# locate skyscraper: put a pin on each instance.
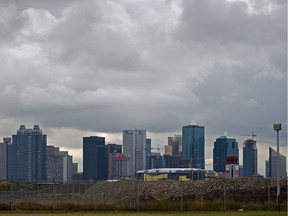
(59, 165)
(3, 158)
(113, 149)
(120, 166)
(134, 146)
(249, 158)
(193, 140)
(148, 146)
(271, 165)
(224, 147)
(95, 158)
(27, 155)
(174, 146)
(155, 161)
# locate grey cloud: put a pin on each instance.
(158, 65)
(221, 22)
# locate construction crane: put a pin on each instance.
(252, 135)
(190, 163)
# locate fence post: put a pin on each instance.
(181, 195)
(54, 195)
(269, 197)
(225, 204)
(138, 197)
(11, 198)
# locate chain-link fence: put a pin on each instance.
(212, 194)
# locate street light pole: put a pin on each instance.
(277, 128)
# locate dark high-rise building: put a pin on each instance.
(114, 148)
(3, 158)
(249, 158)
(224, 147)
(148, 146)
(155, 161)
(172, 161)
(271, 165)
(193, 141)
(27, 155)
(95, 158)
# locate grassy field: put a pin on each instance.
(229, 213)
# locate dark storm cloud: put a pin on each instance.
(105, 66)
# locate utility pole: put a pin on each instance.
(277, 128)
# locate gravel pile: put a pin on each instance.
(241, 189)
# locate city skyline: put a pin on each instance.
(208, 161)
(94, 68)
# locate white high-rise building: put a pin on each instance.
(134, 146)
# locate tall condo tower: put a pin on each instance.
(59, 165)
(95, 158)
(3, 158)
(193, 141)
(224, 147)
(27, 155)
(249, 158)
(134, 146)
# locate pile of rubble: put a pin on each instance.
(241, 189)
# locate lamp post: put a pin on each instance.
(277, 128)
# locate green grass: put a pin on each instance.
(144, 206)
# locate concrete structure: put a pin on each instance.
(271, 165)
(67, 166)
(59, 165)
(3, 158)
(75, 168)
(250, 158)
(175, 144)
(232, 167)
(134, 146)
(112, 150)
(224, 147)
(27, 155)
(119, 166)
(95, 158)
(193, 139)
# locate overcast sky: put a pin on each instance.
(96, 67)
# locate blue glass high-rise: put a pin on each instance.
(250, 158)
(193, 139)
(27, 155)
(95, 158)
(224, 147)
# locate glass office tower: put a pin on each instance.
(95, 158)
(27, 155)
(249, 158)
(223, 148)
(193, 144)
